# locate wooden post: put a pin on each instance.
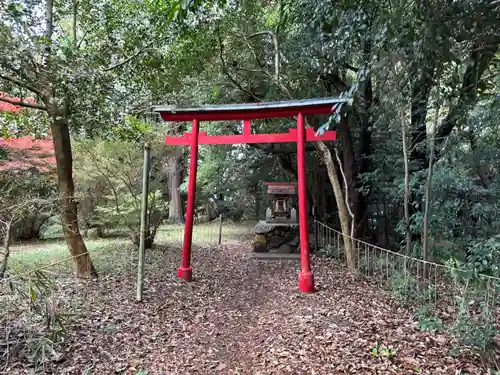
(220, 229)
(144, 221)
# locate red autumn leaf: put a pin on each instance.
(26, 152)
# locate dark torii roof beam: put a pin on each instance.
(252, 111)
(248, 112)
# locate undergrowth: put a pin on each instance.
(472, 300)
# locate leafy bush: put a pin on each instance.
(475, 330)
(428, 322)
(51, 228)
(484, 256)
(34, 318)
(406, 288)
(109, 180)
(331, 252)
(475, 325)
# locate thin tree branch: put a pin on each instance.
(228, 75)
(82, 40)
(406, 186)
(350, 67)
(274, 38)
(23, 104)
(275, 78)
(346, 197)
(130, 58)
(259, 63)
(252, 70)
(20, 83)
(49, 30)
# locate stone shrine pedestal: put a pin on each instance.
(276, 237)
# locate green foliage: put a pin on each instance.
(383, 351)
(109, 175)
(124, 211)
(403, 285)
(475, 330)
(4, 154)
(132, 130)
(407, 289)
(23, 123)
(28, 197)
(484, 256)
(179, 10)
(475, 324)
(470, 270)
(427, 322)
(44, 327)
(230, 180)
(385, 60)
(331, 252)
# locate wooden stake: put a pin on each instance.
(220, 229)
(144, 222)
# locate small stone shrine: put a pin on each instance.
(281, 209)
(279, 232)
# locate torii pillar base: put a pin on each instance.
(185, 273)
(306, 282)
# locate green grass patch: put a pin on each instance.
(107, 252)
(28, 257)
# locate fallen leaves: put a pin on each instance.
(245, 316)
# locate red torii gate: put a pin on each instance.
(248, 112)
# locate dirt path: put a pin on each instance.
(245, 316)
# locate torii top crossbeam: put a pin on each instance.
(251, 111)
(246, 113)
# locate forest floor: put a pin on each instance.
(245, 316)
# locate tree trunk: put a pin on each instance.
(357, 201)
(407, 188)
(6, 249)
(257, 206)
(148, 239)
(220, 206)
(362, 229)
(69, 214)
(175, 215)
(427, 207)
(421, 90)
(341, 205)
(418, 157)
(428, 188)
(365, 111)
(351, 173)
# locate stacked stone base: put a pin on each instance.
(276, 238)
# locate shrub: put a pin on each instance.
(109, 180)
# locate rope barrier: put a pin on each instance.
(213, 236)
(403, 256)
